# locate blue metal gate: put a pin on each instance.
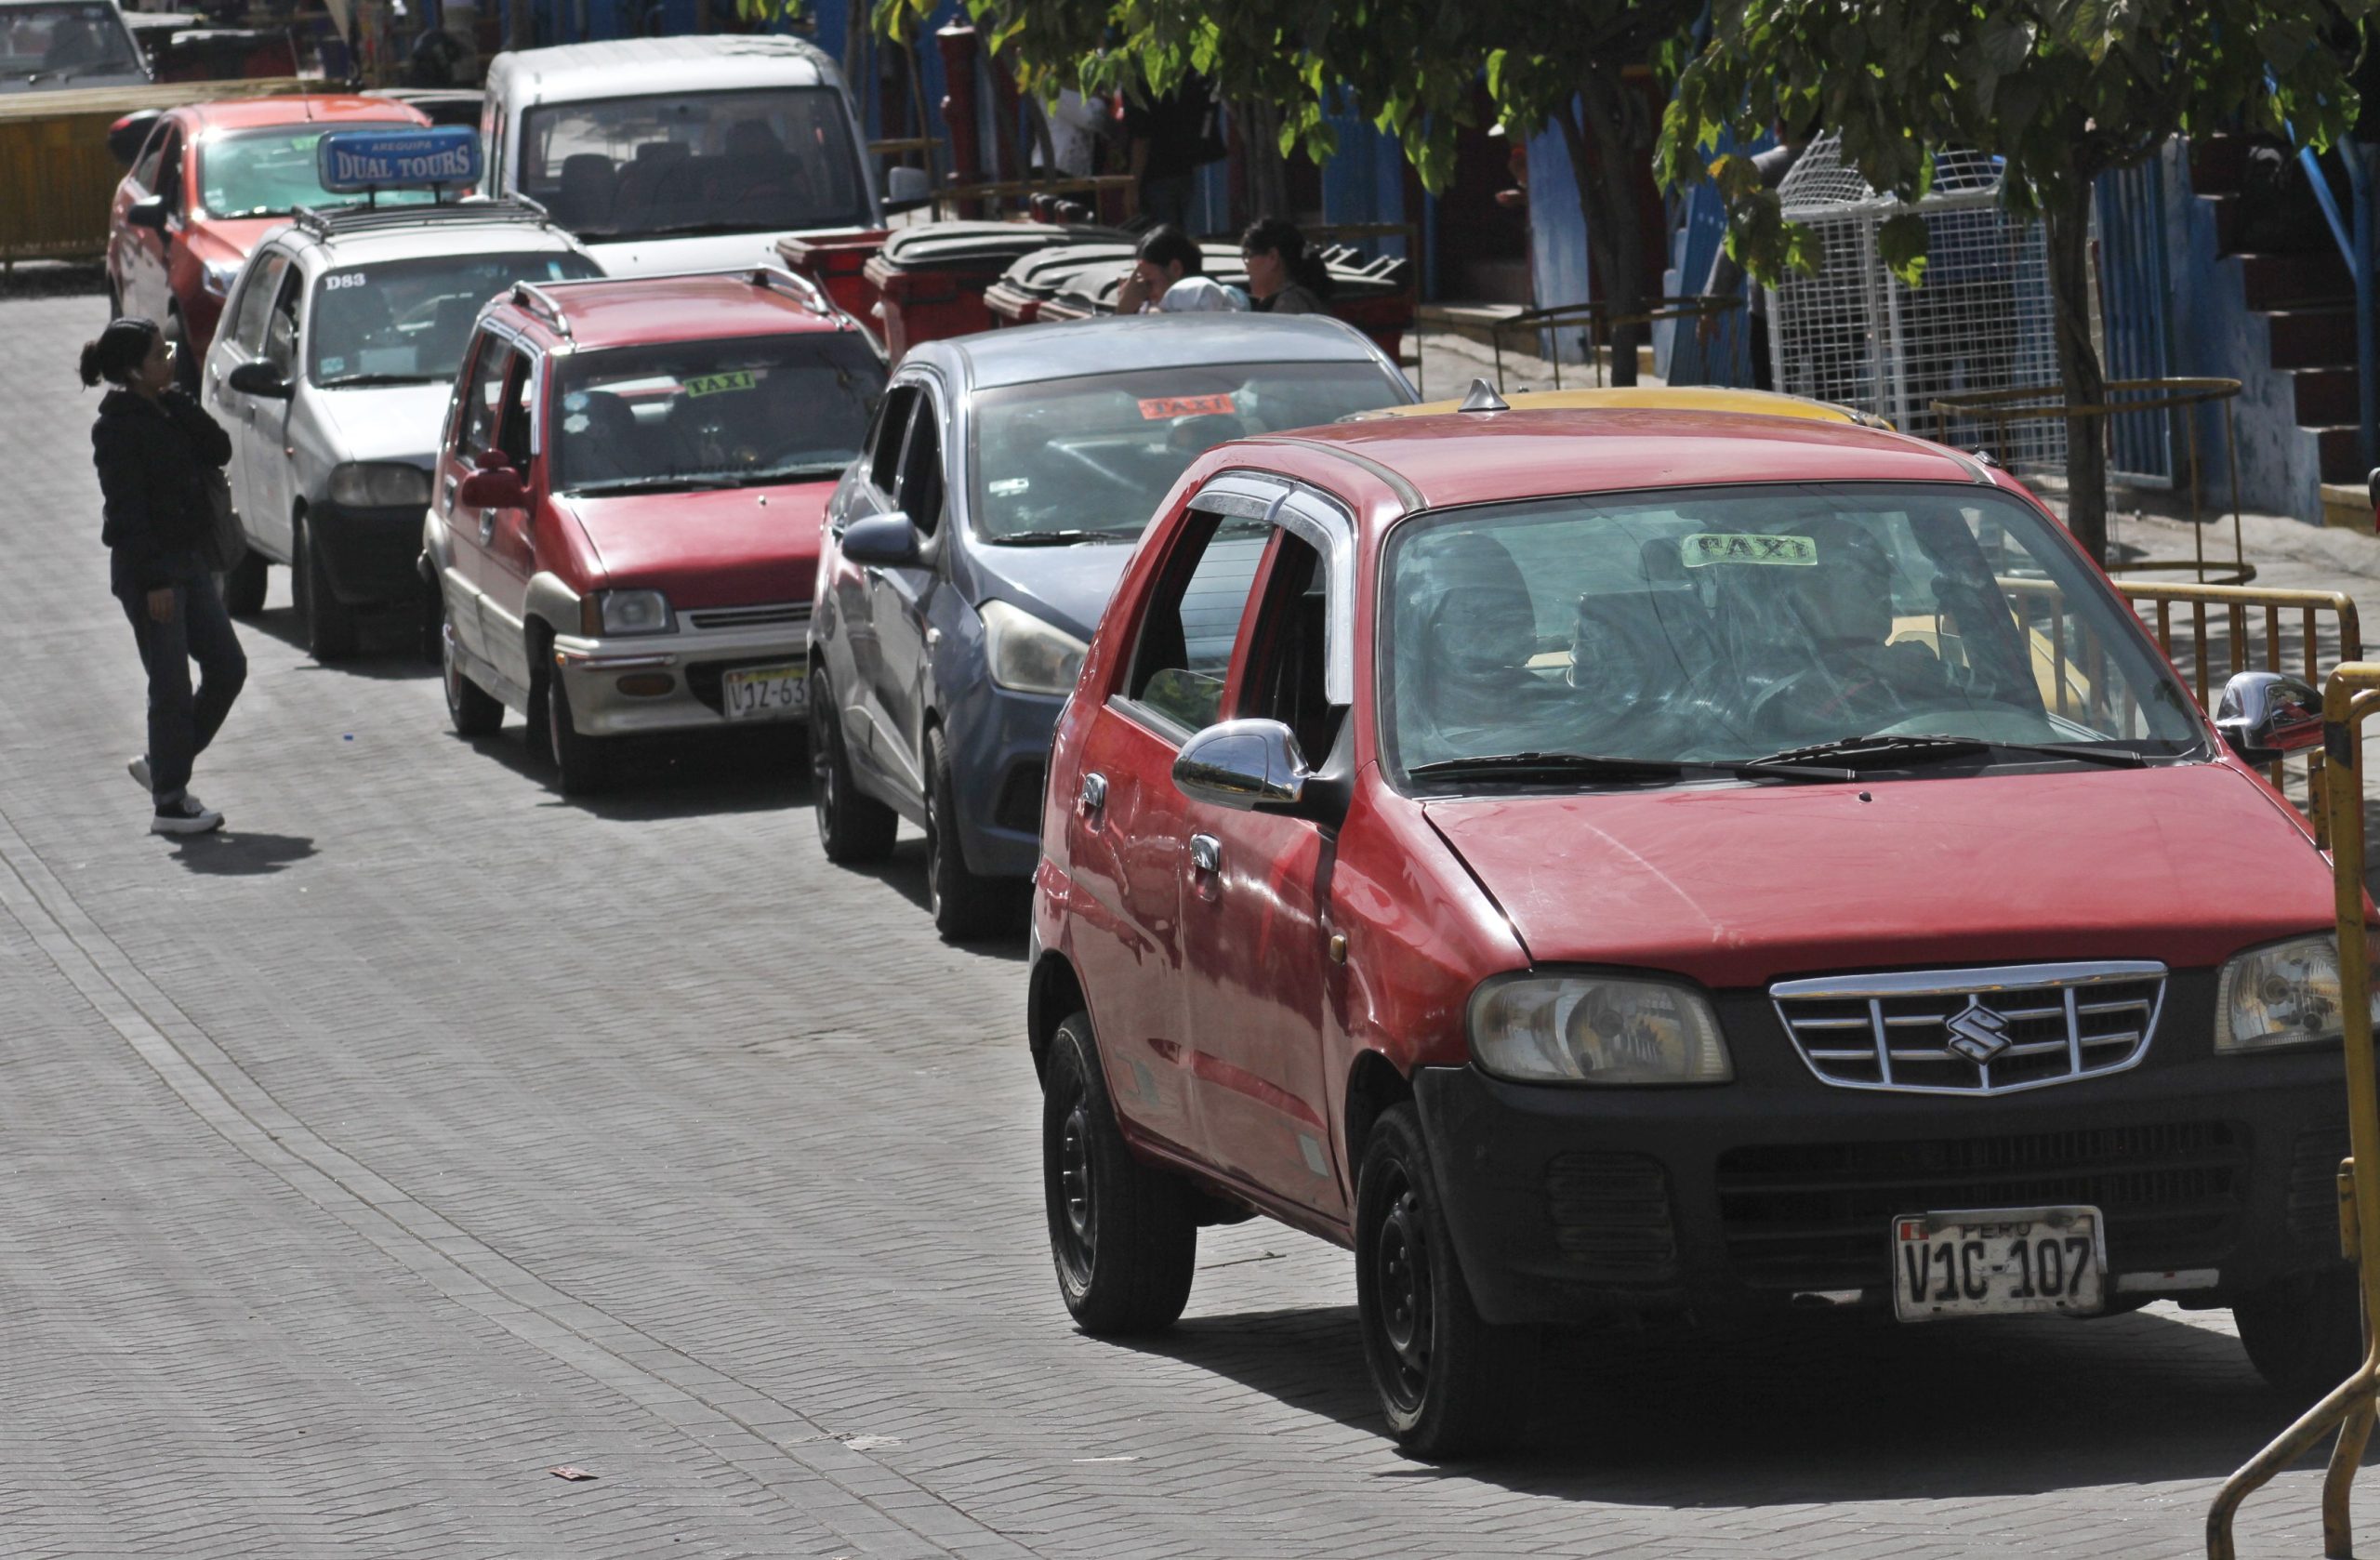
(2133, 293)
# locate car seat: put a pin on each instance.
(601, 440)
(358, 320)
(658, 188)
(590, 187)
(1467, 627)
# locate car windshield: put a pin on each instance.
(52, 45)
(763, 160)
(270, 172)
(1094, 455)
(1721, 626)
(710, 414)
(401, 322)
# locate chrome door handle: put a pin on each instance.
(1093, 801)
(1206, 853)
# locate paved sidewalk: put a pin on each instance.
(424, 1131)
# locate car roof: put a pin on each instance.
(301, 109)
(440, 236)
(1667, 398)
(1485, 458)
(1118, 343)
(632, 311)
(644, 67)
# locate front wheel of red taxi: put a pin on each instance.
(1123, 1235)
(1450, 1382)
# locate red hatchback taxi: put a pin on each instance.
(1633, 862)
(624, 530)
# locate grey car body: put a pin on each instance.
(82, 44)
(904, 648)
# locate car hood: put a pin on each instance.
(730, 547)
(662, 256)
(1068, 585)
(1742, 885)
(230, 238)
(385, 422)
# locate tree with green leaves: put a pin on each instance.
(1411, 65)
(2061, 90)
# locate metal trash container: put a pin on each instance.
(931, 279)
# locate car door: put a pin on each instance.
(266, 453)
(241, 339)
(507, 555)
(1128, 833)
(148, 288)
(849, 615)
(1257, 977)
(900, 596)
(133, 250)
(478, 408)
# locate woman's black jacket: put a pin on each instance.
(153, 457)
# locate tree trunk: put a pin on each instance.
(1265, 170)
(1599, 120)
(2067, 222)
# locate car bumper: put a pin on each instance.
(2214, 1175)
(1000, 754)
(372, 556)
(602, 673)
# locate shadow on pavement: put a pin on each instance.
(388, 645)
(240, 854)
(1808, 1410)
(57, 279)
(904, 873)
(672, 776)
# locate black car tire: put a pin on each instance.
(2304, 1334)
(329, 626)
(1449, 1383)
(853, 827)
(244, 585)
(473, 708)
(581, 763)
(1123, 1235)
(966, 905)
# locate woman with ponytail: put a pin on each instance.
(1284, 276)
(155, 450)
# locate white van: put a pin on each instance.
(674, 154)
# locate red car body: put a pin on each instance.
(1265, 986)
(179, 274)
(521, 582)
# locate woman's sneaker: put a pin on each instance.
(185, 814)
(138, 769)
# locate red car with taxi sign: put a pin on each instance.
(1632, 862)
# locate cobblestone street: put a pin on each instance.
(424, 1132)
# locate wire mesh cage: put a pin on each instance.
(1983, 319)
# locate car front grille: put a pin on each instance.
(711, 619)
(2313, 1205)
(1973, 1031)
(1611, 1217)
(1817, 1216)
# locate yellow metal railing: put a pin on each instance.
(2350, 695)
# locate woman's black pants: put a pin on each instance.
(182, 723)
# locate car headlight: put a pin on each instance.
(630, 612)
(2281, 995)
(1027, 654)
(379, 484)
(218, 277)
(1586, 1029)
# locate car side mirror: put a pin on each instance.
(493, 487)
(147, 212)
(128, 135)
(2265, 715)
(908, 187)
(261, 379)
(882, 541)
(1246, 765)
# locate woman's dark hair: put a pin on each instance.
(1166, 245)
(1279, 236)
(120, 349)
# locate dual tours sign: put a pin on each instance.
(359, 162)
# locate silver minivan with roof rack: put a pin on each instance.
(333, 370)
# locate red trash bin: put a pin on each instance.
(839, 263)
(933, 278)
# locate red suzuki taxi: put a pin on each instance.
(1636, 860)
(204, 184)
(624, 530)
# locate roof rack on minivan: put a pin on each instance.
(342, 219)
(538, 301)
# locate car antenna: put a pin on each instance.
(1483, 399)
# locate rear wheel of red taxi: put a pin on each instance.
(1123, 1235)
(851, 828)
(1448, 1381)
(966, 905)
(2304, 1334)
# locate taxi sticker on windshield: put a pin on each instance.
(1747, 547)
(712, 384)
(1009, 487)
(1163, 406)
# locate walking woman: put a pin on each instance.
(155, 450)
(1284, 276)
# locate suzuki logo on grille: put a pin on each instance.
(1977, 1033)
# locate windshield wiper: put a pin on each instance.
(1057, 538)
(788, 474)
(650, 485)
(1599, 766)
(368, 381)
(1885, 752)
